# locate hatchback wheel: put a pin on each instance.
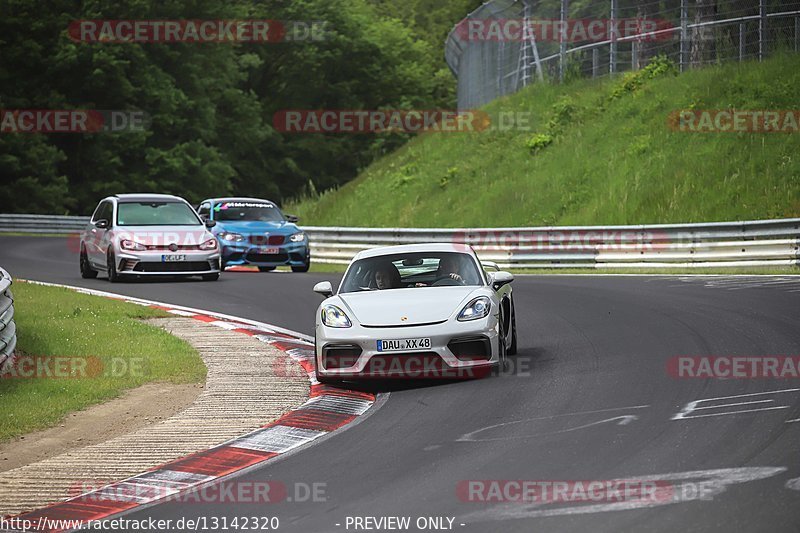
(87, 272)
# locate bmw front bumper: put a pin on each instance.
(289, 254)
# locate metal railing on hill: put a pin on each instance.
(8, 330)
(715, 244)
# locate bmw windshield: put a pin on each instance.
(247, 211)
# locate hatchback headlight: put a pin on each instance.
(333, 317)
(298, 237)
(134, 246)
(233, 237)
(477, 308)
(210, 244)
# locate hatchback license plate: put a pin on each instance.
(172, 258)
(404, 345)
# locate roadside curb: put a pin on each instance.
(328, 409)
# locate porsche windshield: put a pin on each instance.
(412, 270)
(156, 214)
(247, 211)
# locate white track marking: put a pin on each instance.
(471, 436)
(693, 405)
(793, 484)
(717, 480)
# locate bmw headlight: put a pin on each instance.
(333, 317)
(232, 237)
(477, 308)
(298, 237)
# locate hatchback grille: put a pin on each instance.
(184, 266)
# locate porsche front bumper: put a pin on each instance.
(457, 350)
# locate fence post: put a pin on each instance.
(762, 28)
(634, 55)
(684, 33)
(612, 60)
(596, 61)
(797, 34)
(562, 41)
(741, 41)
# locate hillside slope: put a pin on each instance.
(612, 159)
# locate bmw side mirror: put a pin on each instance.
(210, 223)
(101, 224)
(499, 279)
(294, 219)
(324, 288)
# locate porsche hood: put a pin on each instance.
(407, 307)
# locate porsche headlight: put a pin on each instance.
(477, 308)
(232, 237)
(333, 317)
(298, 237)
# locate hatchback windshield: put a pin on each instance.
(249, 211)
(156, 214)
(412, 270)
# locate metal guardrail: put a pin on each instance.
(8, 330)
(714, 244)
(718, 244)
(55, 224)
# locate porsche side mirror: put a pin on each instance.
(324, 288)
(210, 223)
(499, 279)
(101, 224)
(294, 219)
(490, 265)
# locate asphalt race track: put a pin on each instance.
(588, 397)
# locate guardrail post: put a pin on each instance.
(612, 60)
(634, 56)
(562, 41)
(596, 62)
(684, 33)
(797, 34)
(762, 29)
(741, 41)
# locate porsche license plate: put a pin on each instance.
(172, 258)
(404, 345)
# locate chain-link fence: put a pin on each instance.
(506, 45)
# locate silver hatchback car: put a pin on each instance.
(148, 235)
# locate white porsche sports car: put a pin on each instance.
(415, 311)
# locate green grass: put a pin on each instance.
(612, 160)
(59, 322)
